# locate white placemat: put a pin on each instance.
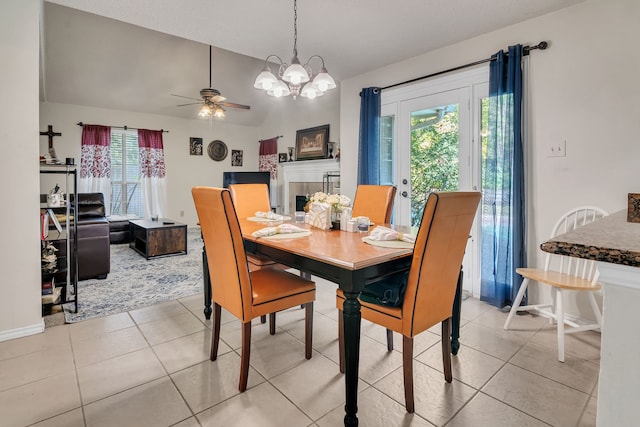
(288, 235)
(388, 243)
(257, 219)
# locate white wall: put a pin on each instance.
(583, 89)
(20, 313)
(289, 115)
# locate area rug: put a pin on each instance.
(135, 282)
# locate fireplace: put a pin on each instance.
(304, 177)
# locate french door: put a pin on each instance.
(433, 131)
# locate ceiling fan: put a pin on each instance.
(211, 100)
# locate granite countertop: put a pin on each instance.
(609, 239)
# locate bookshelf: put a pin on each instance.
(59, 275)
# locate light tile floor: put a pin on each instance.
(150, 367)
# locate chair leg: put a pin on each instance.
(389, 340)
(446, 349)
(407, 369)
(272, 323)
(263, 318)
(341, 340)
(245, 355)
(560, 322)
(215, 332)
(516, 303)
(308, 329)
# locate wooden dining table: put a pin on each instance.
(345, 259)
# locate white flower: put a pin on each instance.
(333, 199)
(337, 201)
(318, 197)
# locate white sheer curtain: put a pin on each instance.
(152, 173)
(95, 162)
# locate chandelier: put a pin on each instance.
(295, 79)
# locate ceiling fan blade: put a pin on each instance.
(232, 105)
(188, 97)
(191, 103)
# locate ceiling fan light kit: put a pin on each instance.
(295, 79)
(211, 100)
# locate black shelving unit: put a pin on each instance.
(65, 266)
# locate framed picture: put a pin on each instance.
(236, 157)
(282, 157)
(312, 143)
(195, 146)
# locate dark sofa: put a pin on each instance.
(94, 256)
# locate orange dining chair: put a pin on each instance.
(245, 294)
(431, 283)
(375, 202)
(249, 199)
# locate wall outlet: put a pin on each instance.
(557, 149)
(181, 213)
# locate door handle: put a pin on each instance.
(404, 194)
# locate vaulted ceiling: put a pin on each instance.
(133, 54)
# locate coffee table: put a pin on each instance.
(158, 238)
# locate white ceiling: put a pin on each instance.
(110, 63)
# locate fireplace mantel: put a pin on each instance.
(304, 171)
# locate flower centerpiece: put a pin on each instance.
(337, 202)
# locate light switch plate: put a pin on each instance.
(557, 149)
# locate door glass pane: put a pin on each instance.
(434, 155)
(387, 124)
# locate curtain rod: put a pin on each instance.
(525, 51)
(125, 127)
(276, 137)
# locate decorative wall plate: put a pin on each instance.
(217, 150)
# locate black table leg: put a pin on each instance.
(351, 317)
(455, 317)
(206, 284)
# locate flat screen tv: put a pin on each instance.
(245, 178)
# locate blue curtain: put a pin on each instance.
(369, 143)
(503, 209)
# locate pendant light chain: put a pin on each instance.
(295, 28)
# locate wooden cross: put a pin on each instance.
(50, 133)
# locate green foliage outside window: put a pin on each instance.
(434, 159)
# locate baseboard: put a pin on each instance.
(25, 331)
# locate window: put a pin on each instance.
(126, 192)
(387, 131)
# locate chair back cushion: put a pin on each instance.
(579, 267)
(437, 257)
(249, 199)
(375, 202)
(90, 205)
(227, 260)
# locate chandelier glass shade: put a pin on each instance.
(295, 79)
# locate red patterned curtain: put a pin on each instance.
(268, 162)
(268, 157)
(95, 162)
(152, 173)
